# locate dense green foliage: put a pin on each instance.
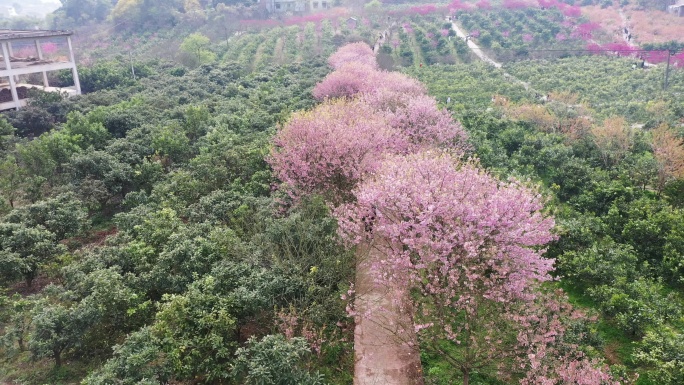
(200, 252)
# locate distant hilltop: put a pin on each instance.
(17, 8)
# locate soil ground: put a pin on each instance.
(385, 347)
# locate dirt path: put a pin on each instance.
(385, 347)
(474, 47)
(626, 31)
(478, 52)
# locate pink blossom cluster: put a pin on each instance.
(624, 49)
(458, 5)
(49, 48)
(347, 81)
(549, 360)
(330, 148)
(483, 4)
(452, 218)
(423, 9)
(313, 18)
(355, 52)
(584, 31)
(366, 114)
(570, 10)
(656, 57)
(471, 245)
(548, 3)
(514, 4)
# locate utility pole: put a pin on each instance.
(667, 69)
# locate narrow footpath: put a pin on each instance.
(385, 344)
(480, 54)
(474, 47)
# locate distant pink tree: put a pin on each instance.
(561, 36)
(585, 30)
(567, 23)
(329, 149)
(483, 4)
(468, 247)
(572, 11)
(422, 9)
(622, 49)
(458, 5)
(514, 4)
(655, 56)
(354, 52)
(528, 38)
(548, 359)
(355, 78)
(594, 49)
(49, 48)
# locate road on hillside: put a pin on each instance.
(474, 47)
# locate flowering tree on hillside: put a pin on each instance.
(356, 78)
(349, 80)
(419, 119)
(353, 53)
(330, 148)
(468, 247)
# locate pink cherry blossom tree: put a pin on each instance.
(347, 81)
(356, 78)
(468, 248)
(419, 120)
(354, 52)
(329, 149)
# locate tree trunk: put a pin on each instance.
(58, 358)
(466, 377)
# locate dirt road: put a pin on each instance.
(385, 347)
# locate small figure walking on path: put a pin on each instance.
(448, 99)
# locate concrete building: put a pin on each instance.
(677, 9)
(12, 67)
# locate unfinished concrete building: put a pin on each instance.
(23, 55)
